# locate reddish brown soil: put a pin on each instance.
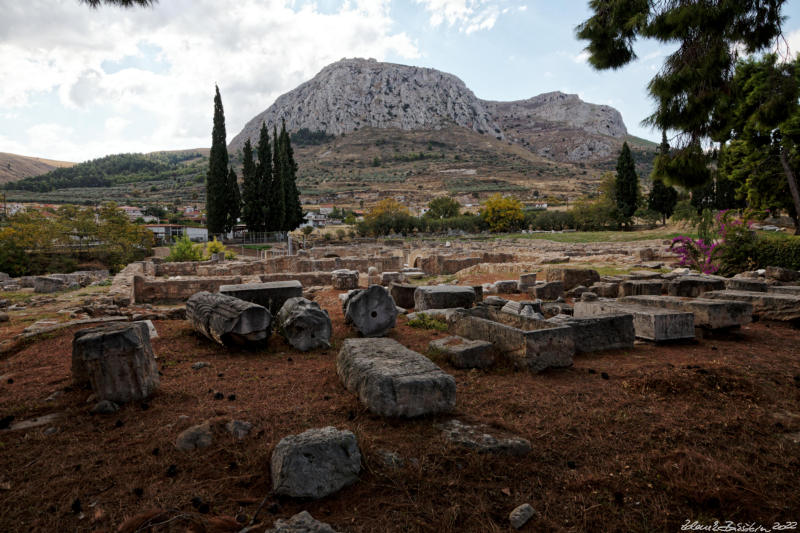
(694, 431)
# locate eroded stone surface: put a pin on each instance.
(372, 311)
(465, 353)
(304, 324)
(315, 463)
(443, 297)
(391, 380)
(478, 438)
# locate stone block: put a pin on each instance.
(640, 287)
(508, 286)
(597, 333)
(694, 286)
(47, 284)
(572, 277)
(766, 305)
(304, 324)
(387, 278)
(745, 284)
(315, 463)
(116, 360)
(708, 314)
(403, 294)
(781, 274)
(270, 295)
(605, 289)
(788, 290)
(657, 325)
(527, 343)
(443, 297)
(465, 353)
(344, 279)
(526, 281)
(391, 380)
(550, 290)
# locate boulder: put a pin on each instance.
(572, 277)
(226, 319)
(465, 353)
(403, 294)
(315, 463)
(304, 324)
(116, 360)
(344, 279)
(781, 274)
(47, 284)
(478, 438)
(520, 515)
(372, 311)
(271, 295)
(195, 437)
(391, 380)
(443, 297)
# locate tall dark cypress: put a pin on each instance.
(252, 208)
(233, 201)
(626, 187)
(662, 198)
(217, 178)
(264, 178)
(294, 211)
(277, 204)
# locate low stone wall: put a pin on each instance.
(307, 279)
(278, 265)
(176, 290)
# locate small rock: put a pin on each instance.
(200, 364)
(52, 430)
(4, 317)
(239, 428)
(391, 459)
(195, 437)
(520, 516)
(105, 407)
(302, 522)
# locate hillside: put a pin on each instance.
(155, 178)
(354, 94)
(15, 167)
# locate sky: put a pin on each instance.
(78, 83)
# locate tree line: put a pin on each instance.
(268, 200)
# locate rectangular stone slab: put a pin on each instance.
(443, 297)
(790, 290)
(694, 286)
(271, 295)
(716, 314)
(767, 305)
(636, 287)
(594, 334)
(527, 343)
(651, 324)
(391, 380)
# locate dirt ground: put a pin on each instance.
(635, 440)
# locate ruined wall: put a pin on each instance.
(176, 290)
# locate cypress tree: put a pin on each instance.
(233, 201)
(264, 178)
(662, 198)
(217, 178)
(626, 187)
(252, 209)
(277, 204)
(294, 211)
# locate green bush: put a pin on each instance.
(184, 250)
(423, 321)
(778, 250)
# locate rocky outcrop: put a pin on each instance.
(353, 94)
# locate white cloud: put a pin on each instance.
(793, 42)
(467, 16)
(582, 57)
(254, 49)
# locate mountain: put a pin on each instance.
(15, 167)
(353, 94)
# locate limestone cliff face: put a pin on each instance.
(359, 93)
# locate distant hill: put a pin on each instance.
(15, 167)
(158, 177)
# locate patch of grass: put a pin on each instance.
(258, 246)
(423, 321)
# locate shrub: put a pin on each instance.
(184, 250)
(778, 251)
